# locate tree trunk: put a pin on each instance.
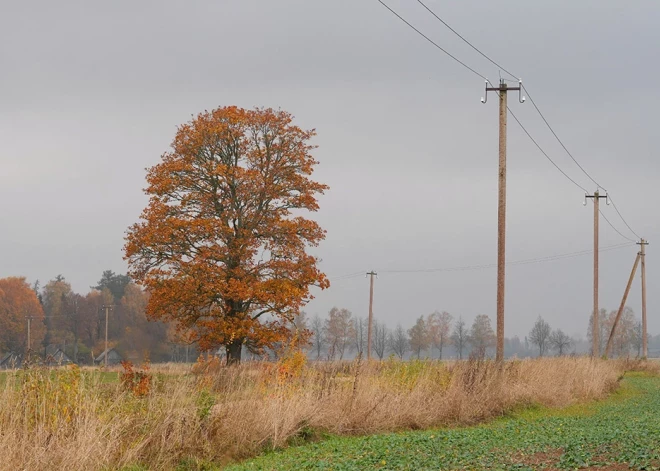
(234, 350)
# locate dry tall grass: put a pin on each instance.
(68, 419)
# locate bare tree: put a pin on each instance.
(603, 332)
(360, 334)
(398, 342)
(482, 336)
(560, 341)
(297, 333)
(338, 332)
(459, 337)
(624, 336)
(318, 335)
(379, 341)
(540, 335)
(419, 337)
(439, 324)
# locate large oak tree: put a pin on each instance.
(222, 245)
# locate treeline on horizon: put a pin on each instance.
(342, 335)
(75, 324)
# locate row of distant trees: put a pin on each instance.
(75, 323)
(628, 337)
(342, 334)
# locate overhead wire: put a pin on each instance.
(544, 152)
(612, 226)
(621, 216)
(431, 41)
(549, 258)
(346, 276)
(582, 168)
(476, 73)
(559, 140)
(466, 41)
(538, 110)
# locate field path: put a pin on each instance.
(620, 433)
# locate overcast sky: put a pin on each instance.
(91, 93)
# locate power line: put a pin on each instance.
(346, 276)
(431, 41)
(549, 258)
(483, 77)
(538, 110)
(573, 181)
(570, 255)
(560, 141)
(624, 221)
(580, 166)
(540, 148)
(612, 226)
(515, 76)
(465, 40)
(545, 153)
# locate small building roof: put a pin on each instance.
(112, 353)
(58, 356)
(11, 359)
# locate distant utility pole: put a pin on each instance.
(371, 312)
(29, 340)
(642, 253)
(107, 307)
(595, 347)
(608, 347)
(501, 208)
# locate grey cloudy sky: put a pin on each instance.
(91, 93)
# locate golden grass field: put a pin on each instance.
(89, 419)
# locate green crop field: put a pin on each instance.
(622, 432)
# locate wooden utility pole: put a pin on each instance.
(501, 209)
(595, 346)
(105, 355)
(642, 253)
(29, 341)
(608, 347)
(371, 312)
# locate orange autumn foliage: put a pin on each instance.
(137, 381)
(18, 301)
(219, 247)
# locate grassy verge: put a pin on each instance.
(91, 376)
(622, 432)
(86, 420)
